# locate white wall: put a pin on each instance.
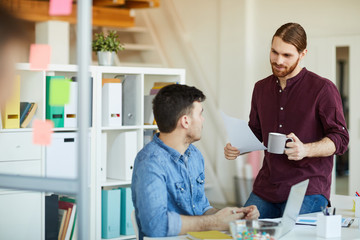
(230, 40)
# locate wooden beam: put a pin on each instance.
(142, 3)
(37, 11)
(108, 3)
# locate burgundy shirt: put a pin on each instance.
(310, 106)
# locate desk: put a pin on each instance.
(343, 205)
(298, 233)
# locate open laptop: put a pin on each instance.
(292, 208)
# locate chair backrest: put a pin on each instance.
(135, 225)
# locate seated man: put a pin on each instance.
(168, 179)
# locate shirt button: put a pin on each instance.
(193, 206)
(280, 90)
(281, 108)
(280, 125)
(343, 128)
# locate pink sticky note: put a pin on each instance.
(39, 56)
(60, 7)
(42, 132)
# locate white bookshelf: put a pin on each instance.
(33, 88)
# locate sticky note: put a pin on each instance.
(42, 132)
(60, 7)
(59, 92)
(39, 56)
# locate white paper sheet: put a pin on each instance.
(240, 135)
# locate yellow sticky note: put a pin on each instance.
(59, 92)
(42, 132)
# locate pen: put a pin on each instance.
(357, 194)
(334, 211)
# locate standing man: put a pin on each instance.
(306, 107)
(168, 178)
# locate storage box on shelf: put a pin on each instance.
(111, 146)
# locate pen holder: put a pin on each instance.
(357, 207)
(328, 226)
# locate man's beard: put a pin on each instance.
(286, 71)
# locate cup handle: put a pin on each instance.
(287, 140)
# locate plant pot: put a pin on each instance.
(106, 58)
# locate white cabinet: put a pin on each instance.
(21, 215)
(18, 146)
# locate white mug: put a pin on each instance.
(277, 143)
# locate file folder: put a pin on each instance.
(110, 213)
(121, 156)
(74, 79)
(126, 227)
(61, 156)
(11, 112)
(70, 109)
(54, 113)
(112, 104)
(130, 96)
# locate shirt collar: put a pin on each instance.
(175, 155)
(294, 79)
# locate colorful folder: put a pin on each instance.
(11, 112)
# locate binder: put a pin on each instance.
(11, 112)
(110, 213)
(70, 109)
(51, 217)
(54, 113)
(122, 154)
(130, 96)
(126, 227)
(61, 156)
(74, 79)
(112, 104)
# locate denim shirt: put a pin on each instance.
(165, 185)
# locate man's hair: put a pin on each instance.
(292, 33)
(172, 102)
(11, 27)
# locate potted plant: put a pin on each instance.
(106, 47)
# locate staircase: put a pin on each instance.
(142, 48)
(147, 45)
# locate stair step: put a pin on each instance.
(139, 47)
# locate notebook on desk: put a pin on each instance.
(213, 235)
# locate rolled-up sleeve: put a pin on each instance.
(149, 186)
(332, 117)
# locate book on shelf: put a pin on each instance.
(69, 221)
(51, 217)
(29, 115)
(159, 85)
(24, 109)
(72, 225)
(62, 218)
(213, 235)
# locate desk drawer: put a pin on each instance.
(18, 146)
(24, 168)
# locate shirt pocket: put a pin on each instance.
(200, 182)
(181, 194)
